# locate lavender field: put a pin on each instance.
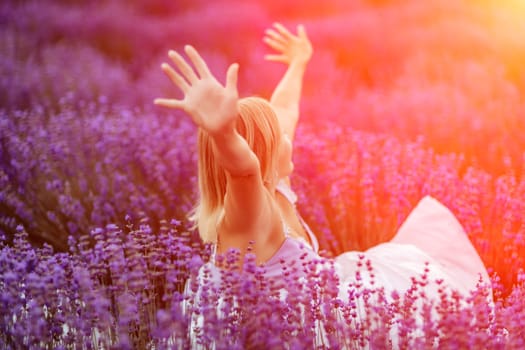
(404, 98)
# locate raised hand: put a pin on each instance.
(212, 106)
(290, 48)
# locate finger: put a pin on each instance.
(274, 44)
(183, 66)
(301, 30)
(198, 62)
(272, 34)
(282, 29)
(276, 58)
(232, 76)
(175, 77)
(170, 103)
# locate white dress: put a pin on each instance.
(430, 237)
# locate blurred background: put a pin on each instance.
(401, 99)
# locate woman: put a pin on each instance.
(245, 198)
(244, 155)
(237, 175)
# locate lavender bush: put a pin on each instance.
(88, 167)
(128, 291)
(374, 181)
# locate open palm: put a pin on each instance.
(291, 48)
(212, 106)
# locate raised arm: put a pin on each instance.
(213, 108)
(295, 51)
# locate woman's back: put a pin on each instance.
(264, 238)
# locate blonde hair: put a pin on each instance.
(258, 124)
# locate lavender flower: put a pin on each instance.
(88, 166)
